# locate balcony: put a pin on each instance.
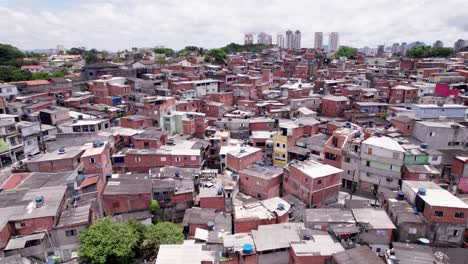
(386, 173)
(384, 160)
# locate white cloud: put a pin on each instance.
(118, 24)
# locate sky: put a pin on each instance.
(121, 24)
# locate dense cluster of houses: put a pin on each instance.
(282, 156)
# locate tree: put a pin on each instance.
(345, 51)
(154, 206)
(219, 55)
(11, 56)
(77, 51)
(13, 74)
(163, 233)
(109, 242)
(166, 51)
(428, 52)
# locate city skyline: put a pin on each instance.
(117, 25)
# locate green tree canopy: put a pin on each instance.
(163, 233)
(11, 56)
(166, 51)
(14, 74)
(108, 242)
(219, 55)
(154, 206)
(235, 48)
(428, 52)
(345, 51)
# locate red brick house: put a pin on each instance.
(313, 183)
(243, 157)
(260, 181)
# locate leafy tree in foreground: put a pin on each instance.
(108, 242)
(154, 206)
(345, 51)
(163, 233)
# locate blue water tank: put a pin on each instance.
(400, 195)
(280, 206)
(247, 248)
(210, 226)
(422, 191)
(357, 134)
(424, 241)
(424, 145)
(306, 237)
(348, 124)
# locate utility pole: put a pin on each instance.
(41, 137)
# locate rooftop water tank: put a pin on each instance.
(39, 201)
(280, 206)
(424, 145)
(247, 248)
(210, 226)
(400, 195)
(306, 237)
(422, 191)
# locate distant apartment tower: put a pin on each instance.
(297, 40)
(438, 44)
(380, 50)
(289, 39)
(459, 44)
(280, 41)
(248, 39)
(395, 48)
(60, 49)
(403, 48)
(318, 40)
(264, 38)
(333, 41)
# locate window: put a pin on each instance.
(459, 215)
(377, 250)
(319, 182)
(412, 230)
(347, 160)
(432, 134)
(71, 232)
(19, 225)
(163, 158)
(177, 159)
(434, 158)
(284, 145)
(146, 145)
(277, 145)
(367, 163)
(306, 180)
(422, 176)
(92, 160)
(369, 151)
(259, 196)
(193, 157)
(439, 213)
(296, 186)
(137, 159)
(116, 204)
(455, 233)
(396, 155)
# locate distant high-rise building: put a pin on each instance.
(264, 38)
(280, 41)
(438, 44)
(403, 48)
(333, 41)
(297, 39)
(248, 39)
(318, 40)
(60, 49)
(460, 44)
(380, 50)
(395, 48)
(289, 39)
